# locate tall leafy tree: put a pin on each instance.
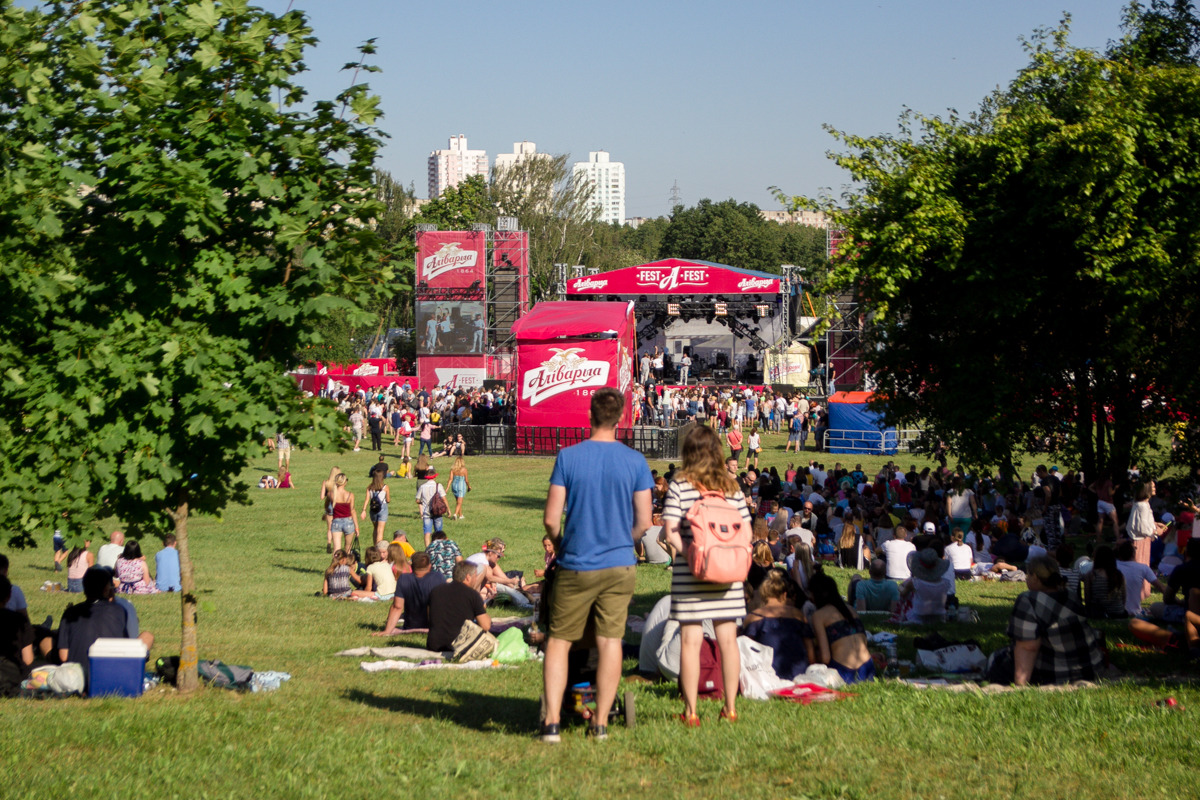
(1028, 273)
(548, 200)
(173, 218)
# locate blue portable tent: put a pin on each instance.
(855, 428)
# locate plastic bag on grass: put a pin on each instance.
(511, 647)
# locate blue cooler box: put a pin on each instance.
(116, 667)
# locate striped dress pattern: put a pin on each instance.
(694, 600)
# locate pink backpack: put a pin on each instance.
(720, 551)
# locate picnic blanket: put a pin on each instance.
(953, 685)
(417, 653)
(393, 665)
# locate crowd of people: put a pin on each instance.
(744, 409)
(104, 579)
(1084, 550)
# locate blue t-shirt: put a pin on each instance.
(166, 570)
(600, 479)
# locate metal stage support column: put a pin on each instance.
(843, 338)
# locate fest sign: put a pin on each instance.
(676, 276)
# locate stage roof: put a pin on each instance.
(556, 320)
(676, 276)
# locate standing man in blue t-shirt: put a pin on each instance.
(604, 487)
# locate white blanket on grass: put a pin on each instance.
(391, 664)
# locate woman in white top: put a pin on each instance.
(753, 445)
(1141, 527)
(960, 556)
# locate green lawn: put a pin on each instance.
(336, 730)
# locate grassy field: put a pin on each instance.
(336, 730)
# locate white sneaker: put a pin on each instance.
(357, 449)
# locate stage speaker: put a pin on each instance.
(506, 300)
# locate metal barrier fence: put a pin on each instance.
(510, 440)
(866, 442)
(905, 439)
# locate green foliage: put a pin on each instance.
(459, 207)
(735, 233)
(171, 224)
(543, 193)
(1029, 271)
(1164, 33)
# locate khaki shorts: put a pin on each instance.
(603, 593)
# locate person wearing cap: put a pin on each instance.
(896, 552)
(932, 582)
(1052, 642)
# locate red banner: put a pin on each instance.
(450, 260)
(453, 372)
(675, 276)
(558, 376)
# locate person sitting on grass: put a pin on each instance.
(16, 644)
(841, 639)
(97, 617)
(452, 604)
(1052, 642)
(780, 625)
(340, 579)
(502, 583)
(380, 579)
(444, 554)
(410, 604)
(1105, 586)
(878, 593)
(1138, 577)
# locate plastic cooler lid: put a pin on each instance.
(117, 648)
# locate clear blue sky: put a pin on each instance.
(726, 98)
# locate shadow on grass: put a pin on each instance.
(479, 712)
(301, 570)
(526, 501)
(308, 551)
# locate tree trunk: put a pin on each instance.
(189, 677)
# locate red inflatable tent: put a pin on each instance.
(565, 352)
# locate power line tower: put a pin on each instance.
(676, 197)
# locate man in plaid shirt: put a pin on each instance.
(1052, 642)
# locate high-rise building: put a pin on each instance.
(455, 164)
(522, 151)
(608, 179)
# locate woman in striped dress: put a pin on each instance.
(694, 600)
